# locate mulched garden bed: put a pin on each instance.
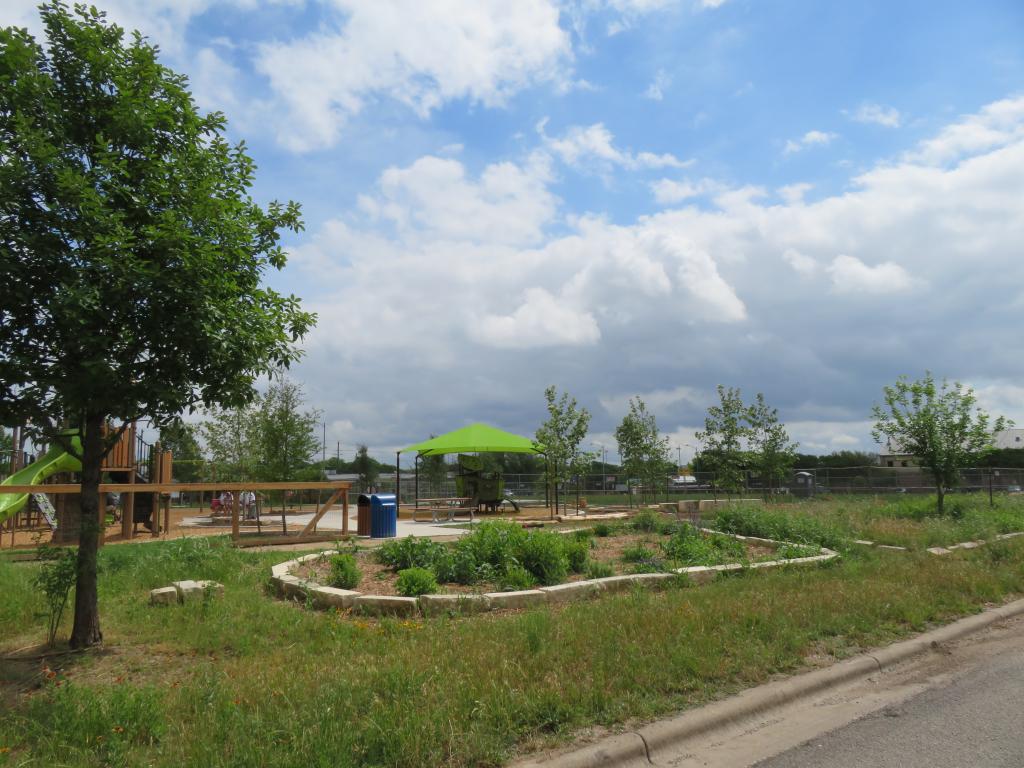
(379, 579)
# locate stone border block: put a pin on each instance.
(523, 598)
(386, 605)
(440, 605)
(331, 597)
(163, 596)
(573, 590)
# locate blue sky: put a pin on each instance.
(628, 197)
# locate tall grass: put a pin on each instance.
(249, 680)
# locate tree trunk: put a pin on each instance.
(942, 498)
(86, 629)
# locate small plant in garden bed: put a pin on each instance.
(636, 554)
(345, 572)
(690, 547)
(413, 582)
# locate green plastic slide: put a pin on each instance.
(55, 460)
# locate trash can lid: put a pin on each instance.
(383, 498)
(364, 498)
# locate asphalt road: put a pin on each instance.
(975, 720)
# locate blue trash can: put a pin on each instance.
(383, 516)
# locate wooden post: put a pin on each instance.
(344, 512)
(167, 514)
(156, 476)
(235, 534)
(128, 512)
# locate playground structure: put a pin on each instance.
(25, 496)
(142, 474)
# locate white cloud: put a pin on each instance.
(481, 287)
(432, 198)
(851, 275)
(996, 125)
(656, 90)
(809, 139)
(542, 320)
(877, 114)
(793, 194)
(581, 146)
(669, 191)
(420, 54)
(801, 263)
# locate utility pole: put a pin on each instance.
(323, 454)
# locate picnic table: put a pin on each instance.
(447, 506)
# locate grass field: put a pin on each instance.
(251, 680)
(907, 521)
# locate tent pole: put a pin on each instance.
(416, 469)
(398, 481)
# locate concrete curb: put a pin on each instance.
(668, 734)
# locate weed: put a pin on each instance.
(636, 554)
(516, 578)
(413, 582)
(410, 552)
(345, 572)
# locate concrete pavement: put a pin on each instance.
(970, 716)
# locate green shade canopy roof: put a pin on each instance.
(476, 438)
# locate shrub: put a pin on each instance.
(583, 534)
(689, 547)
(597, 569)
(516, 578)
(410, 552)
(413, 582)
(496, 542)
(636, 553)
(650, 564)
(602, 530)
(646, 521)
(55, 579)
(577, 552)
(543, 554)
(345, 572)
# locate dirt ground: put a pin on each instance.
(26, 539)
(22, 539)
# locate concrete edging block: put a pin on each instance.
(523, 598)
(573, 590)
(163, 596)
(386, 605)
(332, 597)
(440, 605)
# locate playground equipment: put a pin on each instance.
(130, 461)
(55, 460)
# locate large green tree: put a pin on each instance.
(561, 434)
(181, 439)
(131, 249)
(771, 453)
(939, 425)
(723, 440)
(283, 433)
(644, 451)
(367, 468)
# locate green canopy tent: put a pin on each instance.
(476, 438)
